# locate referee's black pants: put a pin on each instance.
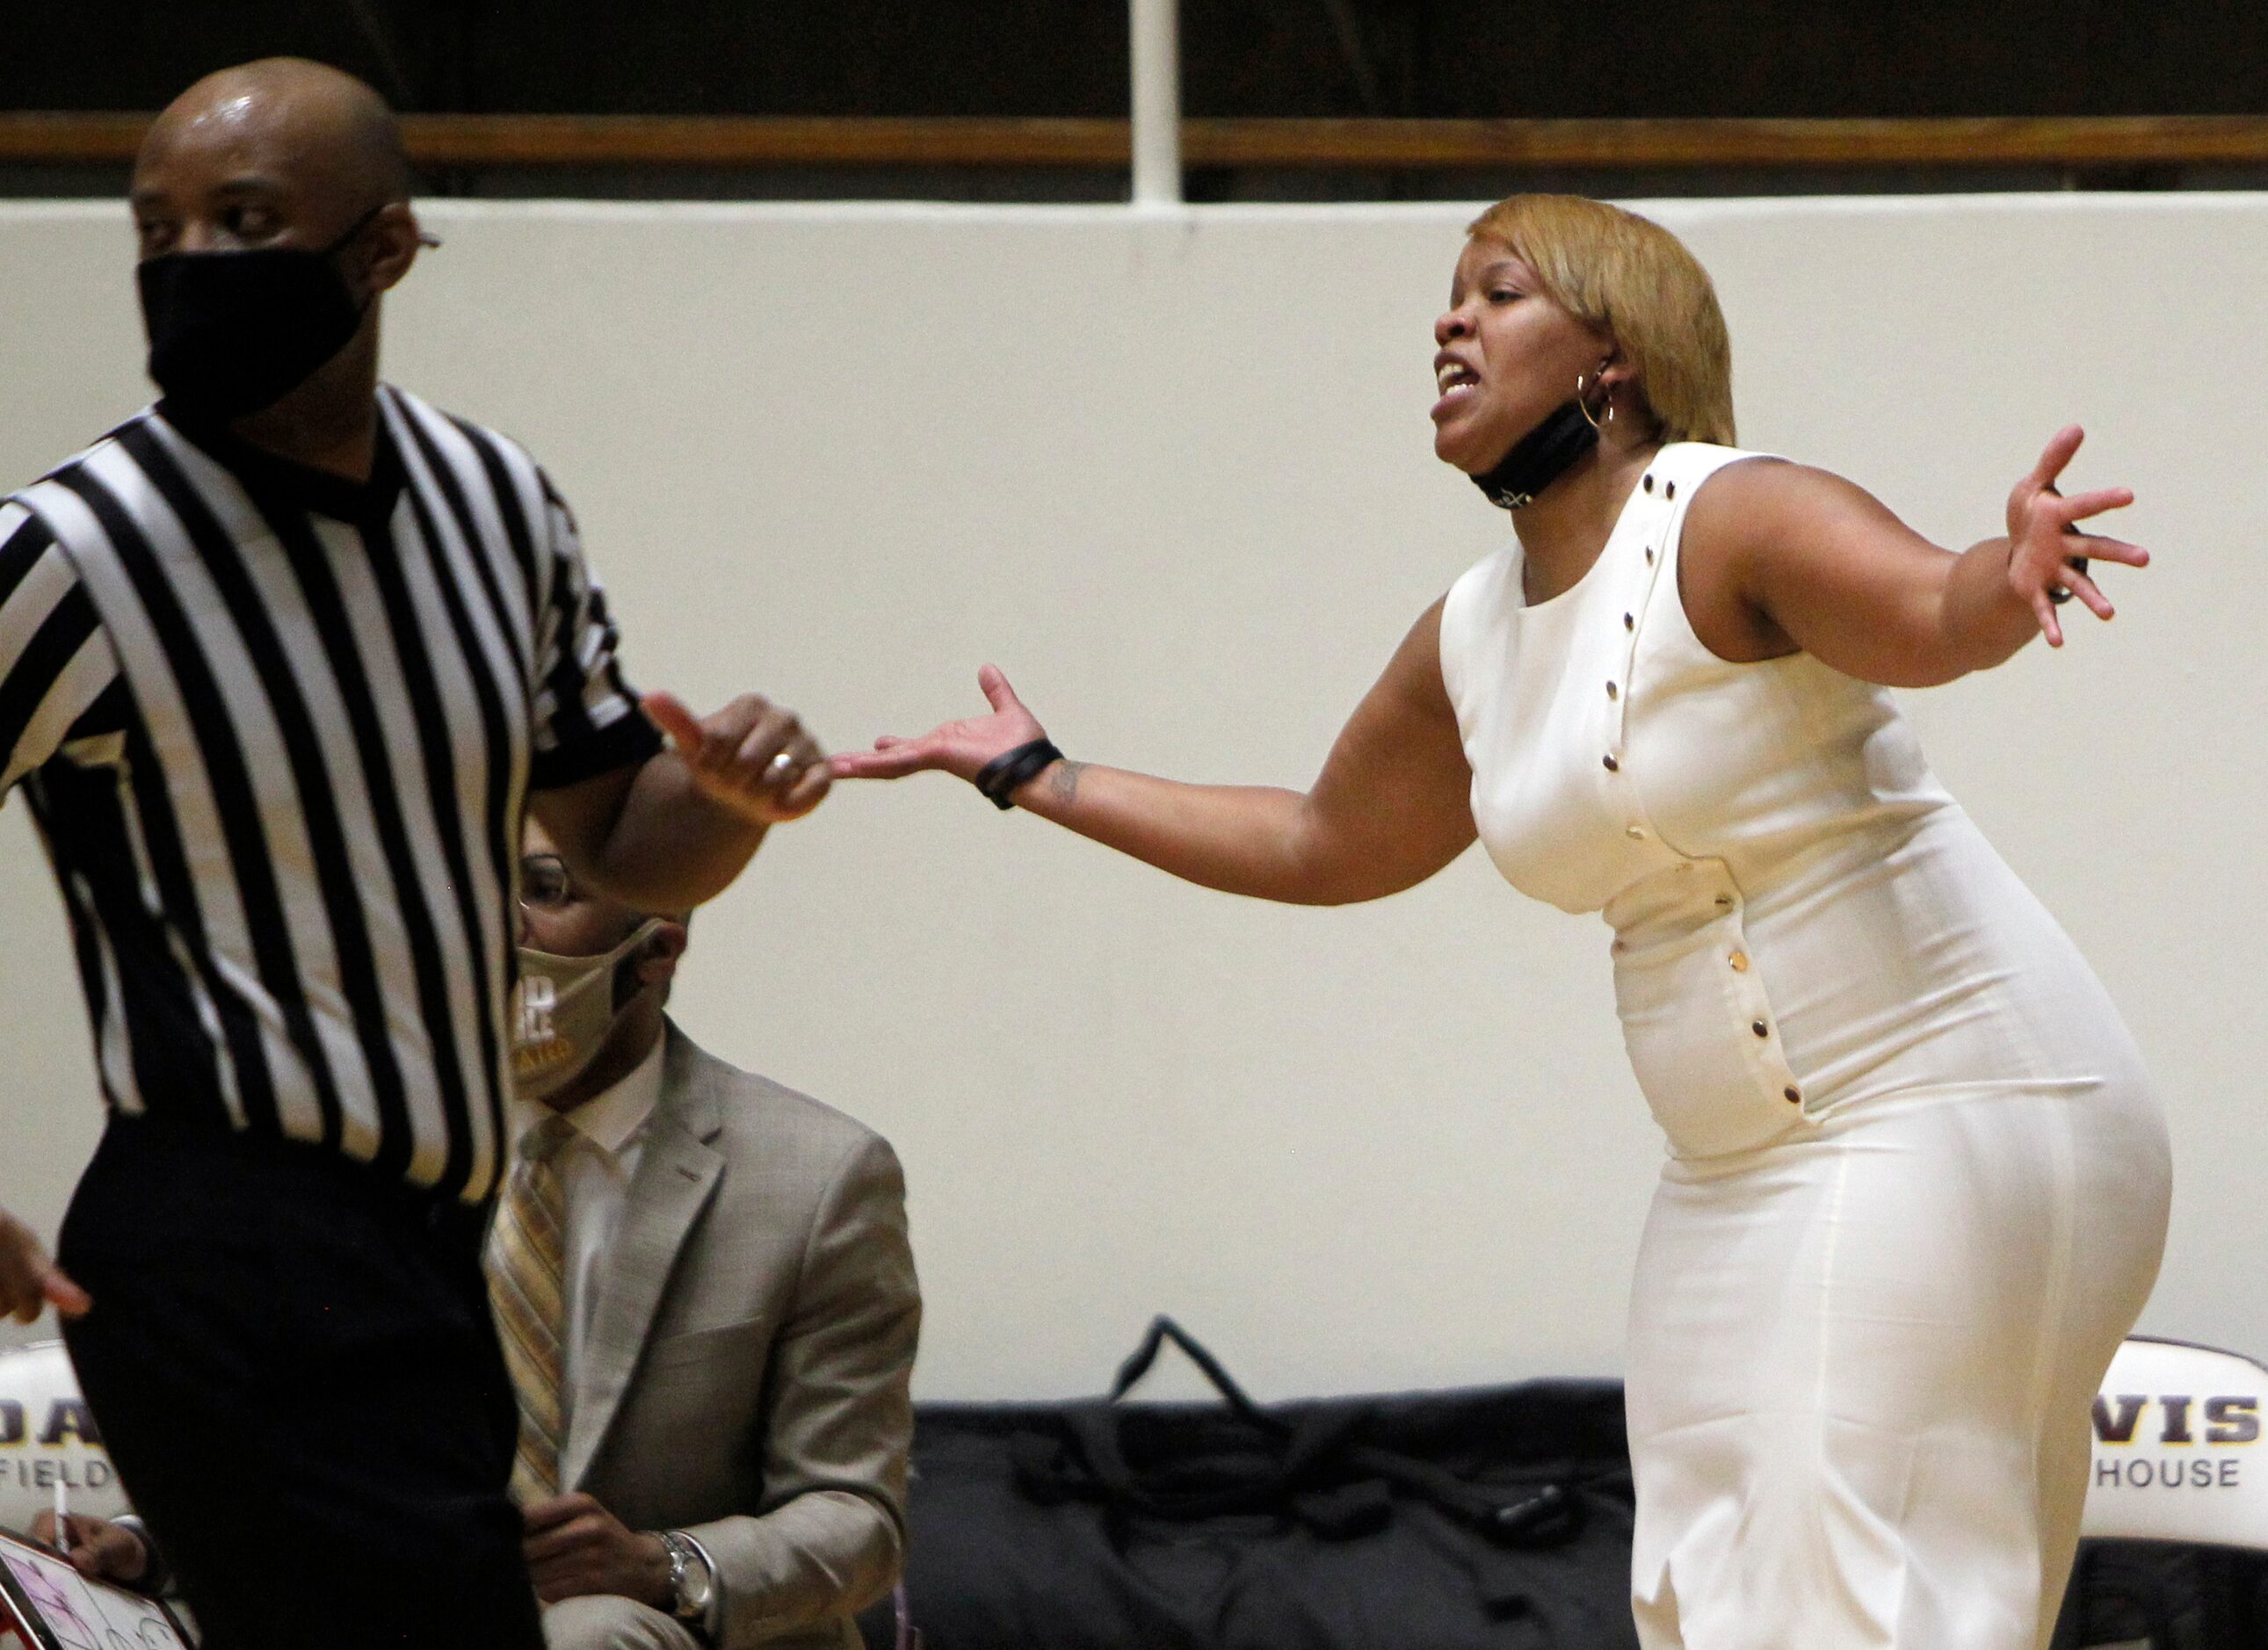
(292, 1365)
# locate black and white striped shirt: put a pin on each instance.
(277, 729)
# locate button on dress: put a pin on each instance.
(1917, 1182)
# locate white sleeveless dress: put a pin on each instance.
(1917, 1182)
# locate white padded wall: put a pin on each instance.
(1173, 474)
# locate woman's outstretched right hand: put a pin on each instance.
(960, 749)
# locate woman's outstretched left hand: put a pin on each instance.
(960, 749)
(2044, 539)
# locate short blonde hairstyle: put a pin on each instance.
(1634, 280)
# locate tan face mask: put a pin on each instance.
(565, 1008)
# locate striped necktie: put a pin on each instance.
(528, 1269)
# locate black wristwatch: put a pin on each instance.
(692, 1575)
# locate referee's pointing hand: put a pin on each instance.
(752, 756)
(29, 1281)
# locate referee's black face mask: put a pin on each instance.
(233, 332)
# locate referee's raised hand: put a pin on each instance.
(29, 1281)
(753, 757)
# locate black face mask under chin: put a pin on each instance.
(1541, 457)
(233, 332)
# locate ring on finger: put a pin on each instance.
(781, 766)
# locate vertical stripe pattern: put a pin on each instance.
(278, 730)
(528, 1289)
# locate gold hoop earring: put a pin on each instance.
(1584, 407)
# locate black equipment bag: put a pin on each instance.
(2164, 1595)
(1492, 1519)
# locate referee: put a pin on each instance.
(283, 658)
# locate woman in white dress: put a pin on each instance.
(1918, 1182)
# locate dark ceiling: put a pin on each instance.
(1277, 57)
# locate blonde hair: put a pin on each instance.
(1634, 280)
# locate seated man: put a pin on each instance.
(709, 1305)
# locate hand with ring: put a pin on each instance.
(753, 757)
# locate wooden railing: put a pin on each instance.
(755, 140)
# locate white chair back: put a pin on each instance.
(47, 1435)
(2178, 1454)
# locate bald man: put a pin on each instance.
(283, 661)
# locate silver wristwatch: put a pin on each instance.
(692, 1575)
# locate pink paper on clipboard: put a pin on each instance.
(54, 1607)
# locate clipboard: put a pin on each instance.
(51, 1606)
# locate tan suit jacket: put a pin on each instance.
(746, 1377)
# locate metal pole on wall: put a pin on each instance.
(1156, 103)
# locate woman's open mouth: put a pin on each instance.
(1455, 381)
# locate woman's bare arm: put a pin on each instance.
(1778, 558)
(1390, 809)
